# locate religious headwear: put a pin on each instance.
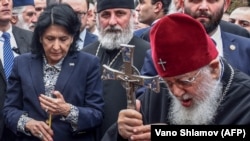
(106, 4)
(17, 3)
(180, 45)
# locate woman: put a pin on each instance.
(55, 92)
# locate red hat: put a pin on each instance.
(180, 45)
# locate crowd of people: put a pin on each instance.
(52, 54)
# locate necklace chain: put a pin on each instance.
(228, 84)
(113, 60)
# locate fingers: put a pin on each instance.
(40, 130)
(141, 133)
(136, 133)
(48, 102)
(125, 131)
(138, 104)
(47, 133)
(57, 94)
(128, 119)
(54, 106)
(142, 129)
(40, 135)
(130, 113)
(142, 137)
(46, 109)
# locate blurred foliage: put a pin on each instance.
(237, 3)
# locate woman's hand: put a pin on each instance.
(55, 106)
(39, 129)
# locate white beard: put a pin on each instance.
(112, 37)
(204, 108)
(22, 24)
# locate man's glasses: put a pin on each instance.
(184, 83)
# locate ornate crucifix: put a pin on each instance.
(130, 76)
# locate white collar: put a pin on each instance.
(217, 38)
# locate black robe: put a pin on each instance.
(114, 94)
(233, 110)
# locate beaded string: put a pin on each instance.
(114, 59)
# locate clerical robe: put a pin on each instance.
(234, 108)
(114, 94)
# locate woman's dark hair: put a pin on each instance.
(56, 14)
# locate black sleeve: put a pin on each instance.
(112, 134)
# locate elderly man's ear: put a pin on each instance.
(215, 68)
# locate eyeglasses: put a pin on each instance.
(184, 83)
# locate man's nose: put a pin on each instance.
(203, 5)
(177, 91)
(113, 20)
(34, 18)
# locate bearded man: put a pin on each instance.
(235, 49)
(26, 16)
(201, 87)
(115, 26)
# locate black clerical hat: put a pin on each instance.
(106, 4)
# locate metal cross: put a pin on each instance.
(162, 64)
(130, 76)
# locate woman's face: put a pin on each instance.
(56, 42)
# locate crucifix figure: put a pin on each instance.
(162, 64)
(130, 76)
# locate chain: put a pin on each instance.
(228, 84)
(114, 59)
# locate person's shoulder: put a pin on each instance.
(25, 57)
(140, 31)
(87, 59)
(236, 38)
(234, 29)
(139, 42)
(86, 55)
(91, 48)
(20, 30)
(91, 35)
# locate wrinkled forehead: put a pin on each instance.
(240, 13)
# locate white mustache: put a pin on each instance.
(113, 29)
